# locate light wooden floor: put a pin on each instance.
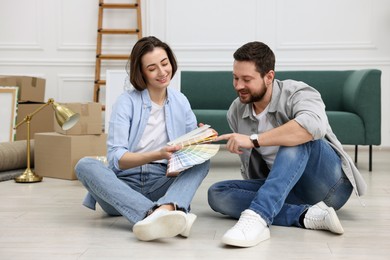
(47, 221)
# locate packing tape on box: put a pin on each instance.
(85, 109)
(13, 155)
(34, 82)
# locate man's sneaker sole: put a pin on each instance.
(335, 225)
(330, 223)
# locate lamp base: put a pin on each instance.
(28, 176)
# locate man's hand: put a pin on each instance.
(235, 142)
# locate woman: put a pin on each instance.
(142, 122)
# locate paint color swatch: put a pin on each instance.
(195, 150)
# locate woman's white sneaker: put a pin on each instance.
(160, 224)
(250, 230)
(190, 220)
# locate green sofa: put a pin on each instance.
(352, 99)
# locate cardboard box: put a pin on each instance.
(56, 155)
(90, 122)
(43, 121)
(30, 88)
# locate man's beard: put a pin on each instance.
(254, 97)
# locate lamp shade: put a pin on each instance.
(65, 117)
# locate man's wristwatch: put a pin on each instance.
(254, 140)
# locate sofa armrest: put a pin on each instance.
(362, 96)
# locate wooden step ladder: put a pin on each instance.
(104, 31)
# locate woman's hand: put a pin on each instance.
(214, 131)
(167, 151)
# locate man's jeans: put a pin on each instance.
(133, 192)
(300, 177)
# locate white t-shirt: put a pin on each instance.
(155, 135)
(267, 152)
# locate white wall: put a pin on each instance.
(56, 39)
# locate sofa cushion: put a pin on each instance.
(328, 83)
(216, 118)
(341, 121)
(208, 89)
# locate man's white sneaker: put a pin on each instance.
(190, 220)
(160, 224)
(250, 230)
(322, 217)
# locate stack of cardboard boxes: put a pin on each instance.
(57, 153)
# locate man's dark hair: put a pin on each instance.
(259, 53)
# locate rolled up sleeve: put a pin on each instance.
(308, 110)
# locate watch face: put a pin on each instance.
(255, 140)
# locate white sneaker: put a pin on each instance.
(160, 224)
(322, 217)
(250, 230)
(190, 220)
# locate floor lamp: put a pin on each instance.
(65, 117)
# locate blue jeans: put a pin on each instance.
(133, 192)
(300, 177)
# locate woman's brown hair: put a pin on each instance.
(134, 64)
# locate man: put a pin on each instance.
(295, 171)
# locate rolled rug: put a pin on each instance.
(13, 158)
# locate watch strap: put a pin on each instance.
(255, 141)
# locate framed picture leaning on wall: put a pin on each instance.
(8, 111)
